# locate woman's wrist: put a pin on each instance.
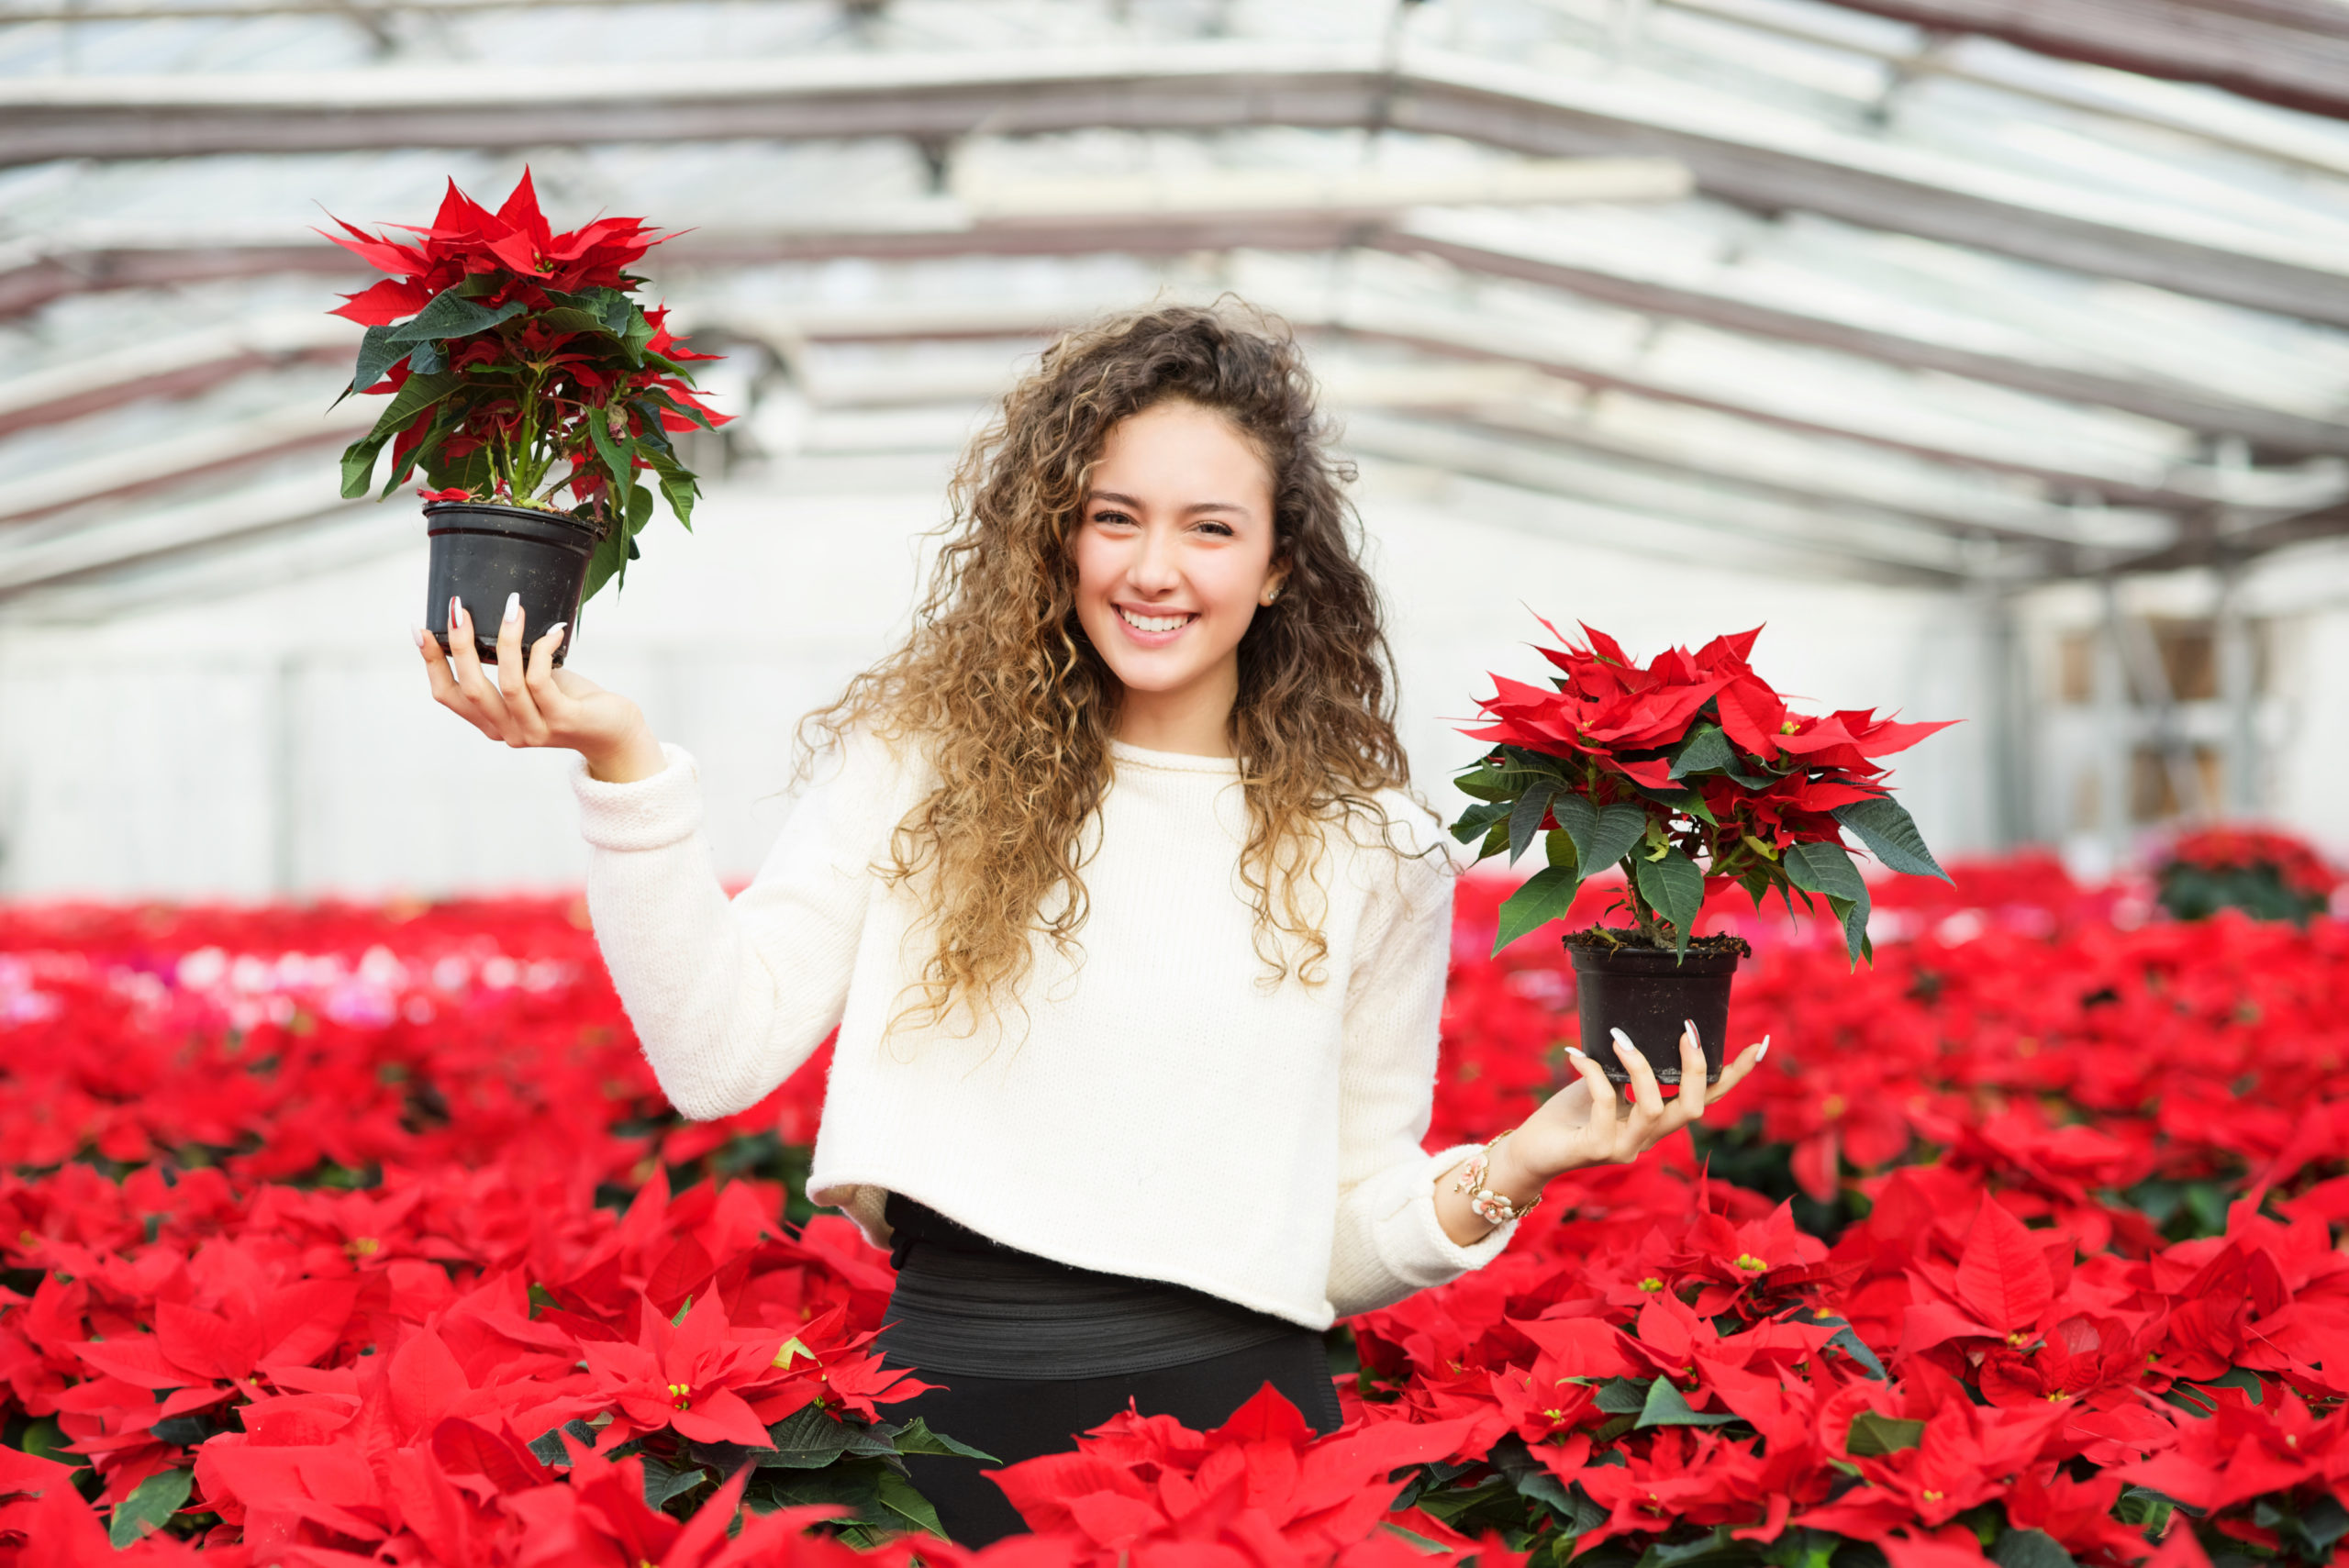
(634, 756)
(1493, 1174)
(1506, 1173)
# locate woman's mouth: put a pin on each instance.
(1156, 628)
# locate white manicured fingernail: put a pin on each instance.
(556, 630)
(1576, 1053)
(1623, 1041)
(513, 609)
(456, 608)
(1764, 1050)
(417, 632)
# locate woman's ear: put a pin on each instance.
(1274, 581)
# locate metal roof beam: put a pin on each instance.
(1758, 157)
(191, 453)
(1910, 432)
(2293, 52)
(2218, 541)
(1916, 422)
(2033, 362)
(1988, 61)
(281, 548)
(170, 367)
(32, 278)
(1480, 242)
(1499, 486)
(1607, 361)
(32, 555)
(1463, 449)
(1507, 397)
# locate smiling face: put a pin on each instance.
(1175, 556)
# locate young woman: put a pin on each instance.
(1109, 881)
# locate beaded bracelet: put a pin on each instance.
(1492, 1207)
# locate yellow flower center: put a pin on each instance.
(1751, 1264)
(2018, 1339)
(680, 1395)
(1832, 1106)
(1931, 1495)
(1651, 1285)
(362, 1246)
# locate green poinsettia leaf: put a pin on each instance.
(1546, 895)
(377, 355)
(1707, 750)
(661, 1483)
(1885, 825)
(1873, 1436)
(914, 1437)
(1479, 819)
(1825, 868)
(1666, 1407)
(1601, 835)
(680, 490)
(150, 1502)
(453, 315)
(1526, 816)
(1675, 889)
(808, 1439)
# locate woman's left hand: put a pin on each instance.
(1589, 1122)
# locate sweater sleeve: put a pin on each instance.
(729, 996)
(1389, 1242)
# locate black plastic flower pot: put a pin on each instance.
(1649, 998)
(483, 552)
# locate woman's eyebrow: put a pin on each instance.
(1195, 507)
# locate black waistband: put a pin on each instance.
(966, 1304)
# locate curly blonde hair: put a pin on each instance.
(1015, 708)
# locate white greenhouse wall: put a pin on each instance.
(278, 740)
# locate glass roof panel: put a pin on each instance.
(1877, 352)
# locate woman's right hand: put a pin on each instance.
(532, 703)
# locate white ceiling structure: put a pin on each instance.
(1932, 292)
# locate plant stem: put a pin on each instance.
(1643, 916)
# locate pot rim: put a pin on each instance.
(591, 528)
(1700, 964)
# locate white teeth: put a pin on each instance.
(1154, 623)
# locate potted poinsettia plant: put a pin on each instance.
(530, 391)
(2266, 875)
(1690, 773)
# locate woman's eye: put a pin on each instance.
(1214, 528)
(1111, 518)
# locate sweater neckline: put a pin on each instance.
(1174, 761)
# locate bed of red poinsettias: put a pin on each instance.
(334, 1236)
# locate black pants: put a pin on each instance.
(1017, 1419)
(1025, 1354)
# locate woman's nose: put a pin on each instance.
(1155, 568)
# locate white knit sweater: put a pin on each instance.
(1162, 1111)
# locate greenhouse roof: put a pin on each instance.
(1868, 290)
